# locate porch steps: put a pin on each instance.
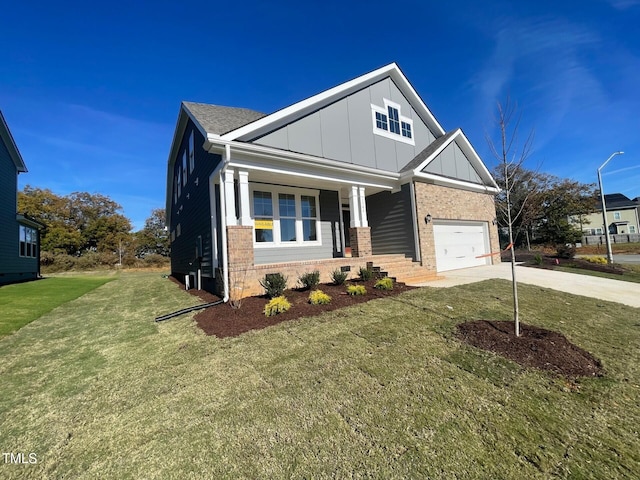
(402, 269)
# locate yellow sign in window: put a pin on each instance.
(264, 224)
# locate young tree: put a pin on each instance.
(511, 159)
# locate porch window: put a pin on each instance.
(263, 215)
(285, 216)
(309, 218)
(632, 229)
(28, 242)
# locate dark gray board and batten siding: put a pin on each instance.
(13, 267)
(343, 131)
(391, 221)
(193, 213)
(329, 231)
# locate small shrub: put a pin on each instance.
(274, 284)
(318, 297)
(537, 259)
(366, 274)
(276, 305)
(385, 283)
(310, 280)
(596, 260)
(356, 290)
(566, 251)
(338, 277)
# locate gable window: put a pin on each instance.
(381, 121)
(192, 159)
(406, 130)
(285, 216)
(394, 120)
(28, 242)
(389, 122)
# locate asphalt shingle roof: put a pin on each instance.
(220, 120)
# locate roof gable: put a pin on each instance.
(346, 130)
(10, 145)
(451, 156)
(305, 107)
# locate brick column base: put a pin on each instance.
(240, 246)
(360, 241)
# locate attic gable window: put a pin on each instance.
(389, 122)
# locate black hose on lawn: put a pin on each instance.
(186, 310)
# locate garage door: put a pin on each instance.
(458, 245)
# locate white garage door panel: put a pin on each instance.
(458, 246)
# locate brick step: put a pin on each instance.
(419, 279)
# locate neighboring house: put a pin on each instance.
(359, 174)
(623, 216)
(19, 235)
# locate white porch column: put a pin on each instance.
(364, 222)
(245, 207)
(353, 207)
(230, 197)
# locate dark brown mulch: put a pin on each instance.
(224, 321)
(536, 347)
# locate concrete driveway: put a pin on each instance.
(627, 293)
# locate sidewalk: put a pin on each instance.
(627, 293)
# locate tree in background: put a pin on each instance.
(153, 238)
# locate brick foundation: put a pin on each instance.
(360, 238)
(452, 204)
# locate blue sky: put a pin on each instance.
(91, 90)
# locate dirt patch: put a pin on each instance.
(224, 321)
(536, 347)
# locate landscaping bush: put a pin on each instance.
(565, 251)
(338, 277)
(366, 274)
(385, 283)
(597, 260)
(356, 290)
(274, 284)
(310, 280)
(318, 297)
(276, 305)
(537, 259)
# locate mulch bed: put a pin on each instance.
(549, 262)
(536, 347)
(224, 321)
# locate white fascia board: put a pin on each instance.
(215, 143)
(315, 102)
(452, 182)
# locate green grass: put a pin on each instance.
(631, 272)
(96, 389)
(23, 303)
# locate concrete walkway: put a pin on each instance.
(627, 293)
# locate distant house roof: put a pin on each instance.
(219, 120)
(618, 200)
(7, 139)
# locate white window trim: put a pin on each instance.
(632, 229)
(298, 192)
(401, 118)
(616, 215)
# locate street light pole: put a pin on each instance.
(604, 209)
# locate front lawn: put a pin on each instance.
(22, 303)
(96, 389)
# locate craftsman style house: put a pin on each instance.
(19, 235)
(359, 174)
(623, 216)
